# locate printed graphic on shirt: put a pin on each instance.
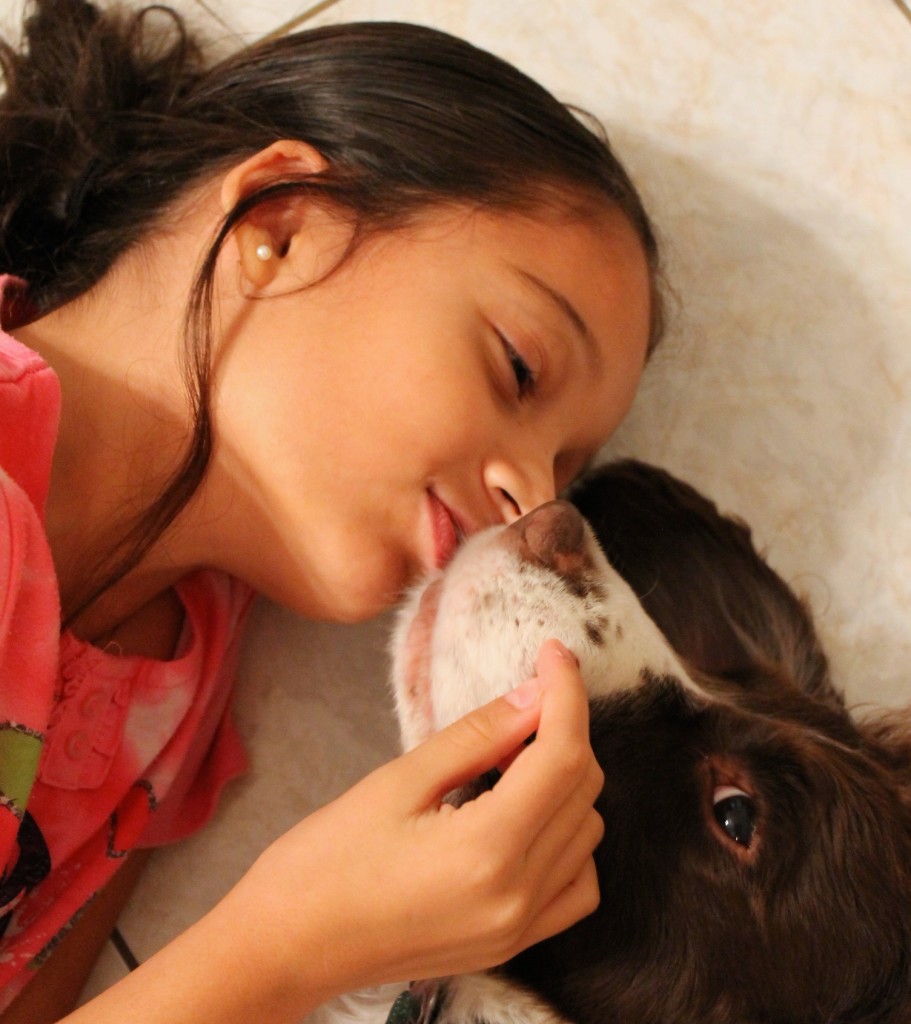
(20, 751)
(32, 866)
(24, 857)
(129, 821)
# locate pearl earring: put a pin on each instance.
(264, 253)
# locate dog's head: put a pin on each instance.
(473, 631)
(756, 864)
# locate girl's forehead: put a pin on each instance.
(583, 267)
(547, 243)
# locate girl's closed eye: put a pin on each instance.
(526, 378)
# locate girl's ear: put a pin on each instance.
(274, 241)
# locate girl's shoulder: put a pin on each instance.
(29, 411)
(29, 407)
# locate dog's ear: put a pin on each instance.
(698, 575)
(493, 998)
(887, 739)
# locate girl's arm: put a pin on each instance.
(57, 985)
(387, 883)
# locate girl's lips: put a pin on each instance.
(446, 532)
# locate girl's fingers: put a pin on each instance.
(553, 702)
(540, 780)
(554, 776)
(576, 900)
(547, 796)
(537, 828)
(561, 852)
(466, 749)
(575, 817)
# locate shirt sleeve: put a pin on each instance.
(29, 648)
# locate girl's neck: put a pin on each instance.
(124, 423)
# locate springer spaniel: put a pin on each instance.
(756, 865)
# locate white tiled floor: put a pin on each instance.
(773, 143)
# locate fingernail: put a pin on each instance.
(564, 652)
(525, 695)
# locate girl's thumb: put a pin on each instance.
(476, 743)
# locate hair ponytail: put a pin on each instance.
(84, 95)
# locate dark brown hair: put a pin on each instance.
(110, 116)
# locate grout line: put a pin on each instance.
(123, 950)
(299, 19)
(215, 16)
(904, 7)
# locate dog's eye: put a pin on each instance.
(735, 812)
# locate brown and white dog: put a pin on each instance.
(756, 865)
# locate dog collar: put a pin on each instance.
(417, 1005)
(406, 1009)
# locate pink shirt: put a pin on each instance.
(99, 753)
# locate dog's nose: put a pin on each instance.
(553, 534)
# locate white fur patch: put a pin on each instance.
(495, 609)
(473, 998)
(365, 1006)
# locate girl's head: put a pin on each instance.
(111, 121)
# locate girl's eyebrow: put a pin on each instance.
(569, 311)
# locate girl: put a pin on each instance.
(295, 323)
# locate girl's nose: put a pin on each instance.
(516, 491)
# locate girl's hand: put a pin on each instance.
(388, 883)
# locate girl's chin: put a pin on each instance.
(353, 583)
(356, 600)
